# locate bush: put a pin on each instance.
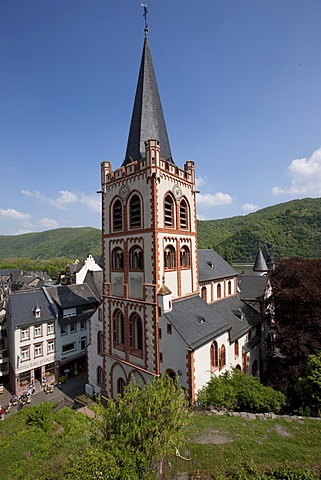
(40, 416)
(237, 391)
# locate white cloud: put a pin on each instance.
(34, 194)
(210, 200)
(64, 198)
(305, 175)
(201, 217)
(93, 202)
(199, 181)
(48, 223)
(11, 213)
(249, 207)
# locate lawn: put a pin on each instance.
(214, 445)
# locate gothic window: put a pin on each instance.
(229, 287)
(100, 343)
(117, 259)
(135, 212)
(117, 215)
(136, 259)
(120, 386)
(214, 355)
(204, 294)
(136, 333)
(169, 257)
(254, 368)
(222, 357)
(99, 376)
(236, 349)
(219, 291)
(169, 211)
(183, 214)
(185, 257)
(118, 328)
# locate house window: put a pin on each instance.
(236, 349)
(83, 325)
(214, 355)
(118, 328)
(38, 350)
(183, 214)
(136, 333)
(169, 211)
(117, 215)
(51, 346)
(24, 334)
(169, 329)
(120, 386)
(222, 357)
(254, 368)
(160, 357)
(24, 354)
(117, 259)
(63, 329)
(136, 259)
(219, 291)
(99, 376)
(83, 343)
(100, 343)
(160, 333)
(169, 258)
(50, 328)
(68, 348)
(38, 331)
(185, 257)
(135, 212)
(73, 327)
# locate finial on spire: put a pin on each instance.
(144, 5)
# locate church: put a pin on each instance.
(166, 306)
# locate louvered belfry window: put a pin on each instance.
(118, 215)
(135, 211)
(169, 211)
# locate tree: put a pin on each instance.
(309, 386)
(135, 433)
(295, 304)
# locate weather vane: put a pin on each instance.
(144, 5)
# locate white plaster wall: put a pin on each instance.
(174, 350)
(91, 265)
(94, 360)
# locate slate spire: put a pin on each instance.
(147, 121)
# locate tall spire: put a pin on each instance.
(147, 121)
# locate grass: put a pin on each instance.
(214, 444)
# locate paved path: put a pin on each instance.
(64, 397)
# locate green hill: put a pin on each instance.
(62, 242)
(289, 229)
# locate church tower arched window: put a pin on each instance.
(117, 215)
(185, 257)
(169, 258)
(136, 259)
(136, 333)
(169, 211)
(135, 212)
(117, 259)
(118, 328)
(183, 214)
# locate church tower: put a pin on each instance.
(149, 241)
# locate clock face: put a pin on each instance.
(177, 191)
(124, 192)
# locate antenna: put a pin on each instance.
(144, 5)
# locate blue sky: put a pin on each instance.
(240, 84)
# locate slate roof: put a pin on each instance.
(260, 263)
(67, 296)
(212, 266)
(21, 306)
(252, 287)
(94, 279)
(198, 322)
(147, 121)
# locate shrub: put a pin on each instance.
(40, 416)
(237, 391)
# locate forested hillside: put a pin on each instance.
(289, 229)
